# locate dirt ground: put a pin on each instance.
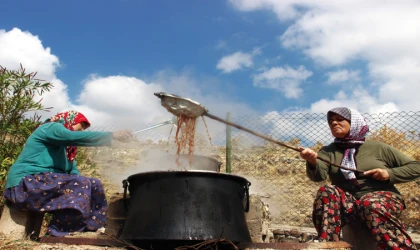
(8, 244)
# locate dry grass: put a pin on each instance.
(8, 244)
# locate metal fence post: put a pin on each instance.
(228, 145)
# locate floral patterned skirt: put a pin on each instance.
(379, 210)
(77, 203)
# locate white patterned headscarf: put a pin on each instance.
(352, 141)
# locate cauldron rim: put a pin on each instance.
(192, 158)
(187, 173)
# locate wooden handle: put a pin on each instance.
(275, 141)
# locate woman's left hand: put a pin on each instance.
(378, 174)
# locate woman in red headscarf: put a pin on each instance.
(45, 177)
(371, 196)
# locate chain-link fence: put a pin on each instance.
(278, 174)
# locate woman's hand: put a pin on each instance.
(122, 135)
(378, 174)
(309, 155)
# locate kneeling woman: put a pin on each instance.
(45, 178)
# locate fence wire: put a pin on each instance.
(276, 173)
(279, 174)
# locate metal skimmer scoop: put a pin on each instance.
(183, 106)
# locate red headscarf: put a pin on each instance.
(69, 119)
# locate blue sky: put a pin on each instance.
(106, 58)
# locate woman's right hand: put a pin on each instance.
(309, 155)
(122, 135)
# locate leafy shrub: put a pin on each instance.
(18, 91)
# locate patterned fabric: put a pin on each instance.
(77, 203)
(69, 119)
(333, 208)
(344, 112)
(355, 138)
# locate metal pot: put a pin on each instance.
(186, 206)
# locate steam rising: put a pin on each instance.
(119, 162)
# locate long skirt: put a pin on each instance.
(77, 203)
(378, 210)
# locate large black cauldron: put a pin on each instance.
(186, 206)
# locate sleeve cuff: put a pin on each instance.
(311, 167)
(391, 176)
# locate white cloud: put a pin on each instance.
(338, 32)
(285, 126)
(343, 76)
(117, 102)
(130, 99)
(221, 44)
(21, 47)
(284, 9)
(384, 34)
(359, 99)
(57, 98)
(236, 61)
(284, 79)
(204, 90)
(400, 79)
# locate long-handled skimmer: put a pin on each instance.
(171, 121)
(183, 106)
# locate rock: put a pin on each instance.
(278, 232)
(294, 233)
(19, 224)
(305, 237)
